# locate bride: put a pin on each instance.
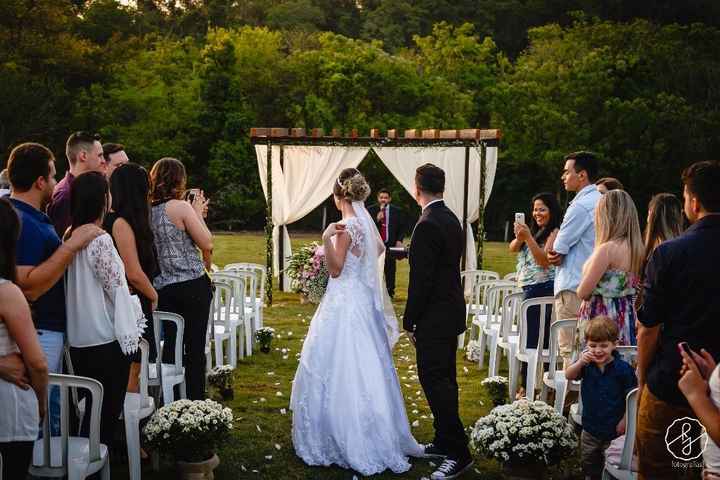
(348, 409)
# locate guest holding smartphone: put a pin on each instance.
(536, 275)
(183, 285)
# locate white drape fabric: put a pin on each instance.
(403, 161)
(304, 182)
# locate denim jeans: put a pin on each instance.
(52, 344)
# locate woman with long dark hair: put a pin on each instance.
(183, 285)
(21, 409)
(104, 322)
(129, 224)
(664, 222)
(536, 275)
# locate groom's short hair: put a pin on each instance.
(430, 179)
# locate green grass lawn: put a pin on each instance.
(261, 444)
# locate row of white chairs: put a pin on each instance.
(236, 312)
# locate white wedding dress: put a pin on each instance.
(348, 409)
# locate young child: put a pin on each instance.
(606, 380)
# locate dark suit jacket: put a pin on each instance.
(436, 304)
(397, 229)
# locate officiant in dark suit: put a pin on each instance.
(392, 224)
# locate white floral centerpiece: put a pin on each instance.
(190, 430)
(497, 389)
(472, 350)
(220, 377)
(524, 436)
(264, 337)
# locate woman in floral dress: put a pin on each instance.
(610, 276)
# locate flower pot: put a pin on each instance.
(524, 471)
(198, 470)
(265, 348)
(227, 393)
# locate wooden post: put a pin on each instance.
(481, 211)
(281, 237)
(466, 182)
(269, 227)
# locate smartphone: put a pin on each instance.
(686, 347)
(191, 194)
(520, 218)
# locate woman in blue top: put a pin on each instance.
(535, 274)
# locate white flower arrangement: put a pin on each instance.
(472, 351)
(221, 376)
(265, 335)
(497, 388)
(524, 433)
(496, 380)
(191, 430)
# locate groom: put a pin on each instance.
(435, 316)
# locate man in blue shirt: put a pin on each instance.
(41, 257)
(575, 240)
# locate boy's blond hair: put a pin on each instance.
(601, 329)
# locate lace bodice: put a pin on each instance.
(356, 250)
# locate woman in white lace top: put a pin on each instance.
(20, 410)
(104, 322)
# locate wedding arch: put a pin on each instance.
(301, 170)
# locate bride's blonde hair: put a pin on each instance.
(616, 219)
(352, 186)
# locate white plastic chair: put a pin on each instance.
(243, 307)
(172, 373)
(476, 283)
(225, 329)
(137, 406)
(489, 323)
(511, 277)
(256, 291)
(260, 271)
(73, 457)
(623, 471)
(534, 357)
(554, 378)
(509, 331)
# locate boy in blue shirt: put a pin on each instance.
(606, 380)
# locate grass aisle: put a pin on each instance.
(261, 443)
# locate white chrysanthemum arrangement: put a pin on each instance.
(497, 388)
(472, 350)
(191, 430)
(524, 433)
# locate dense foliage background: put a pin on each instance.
(637, 82)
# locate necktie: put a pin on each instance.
(383, 225)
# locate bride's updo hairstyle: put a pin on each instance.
(351, 186)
